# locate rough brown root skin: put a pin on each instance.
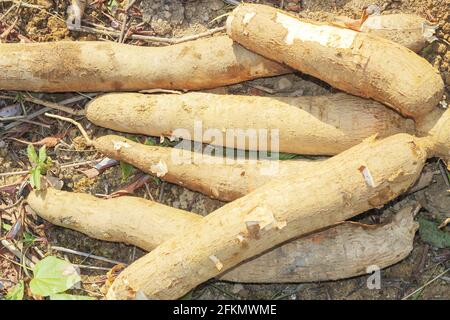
(318, 125)
(355, 62)
(106, 66)
(193, 170)
(341, 251)
(363, 177)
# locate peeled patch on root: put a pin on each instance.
(327, 36)
(160, 169)
(263, 219)
(367, 176)
(117, 145)
(228, 23)
(247, 17)
(217, 263)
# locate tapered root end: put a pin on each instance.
(439, 138)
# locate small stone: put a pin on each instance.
(237, 288)
(284, 84)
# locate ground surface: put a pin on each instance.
(176, 18)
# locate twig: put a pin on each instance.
(63, 166)
(8, 11)
(81, 266)
(113, 33)
(53, 105)
(161, 191)
(160, 91)
(75, 123)
(9, 29)
(426, 284)
(129, 5)
(48, 104)
(34, 122)
(123, 28)
(46, 109)
(13, 249)
(14, 173)
(87, 255)
(12, 205)
(24, 4)
(444, 172)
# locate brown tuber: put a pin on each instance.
(341, 251)
(363, 177)
(315, 125)
(107, 66)
(355, 62)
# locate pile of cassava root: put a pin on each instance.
(285, 220)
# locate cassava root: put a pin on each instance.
(365, 176)
(314, 125)
(341, 251)
(408, 30)
(355, 62)
(201, 64)
(234, 178)
(105, 66)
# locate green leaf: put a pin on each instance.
(287, 156)
(126, 170)
(6, 227)
(16, 292)
(28, 238)
(42, 154)
(430, 233)
(157, 180)
(53, 275)
(149, 142)
(32, 156)
(112, 5)
(65, 296)
(35, 178)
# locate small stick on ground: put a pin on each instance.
(87, 255)
(46, 109)
(75, 123)
(114, 33)
(426, 284)
(15, 251)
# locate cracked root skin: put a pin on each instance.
(318, 125)
(355, 62)
(275, 213)
(101, 66)
(341, 251)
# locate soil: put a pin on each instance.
(175, 18)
